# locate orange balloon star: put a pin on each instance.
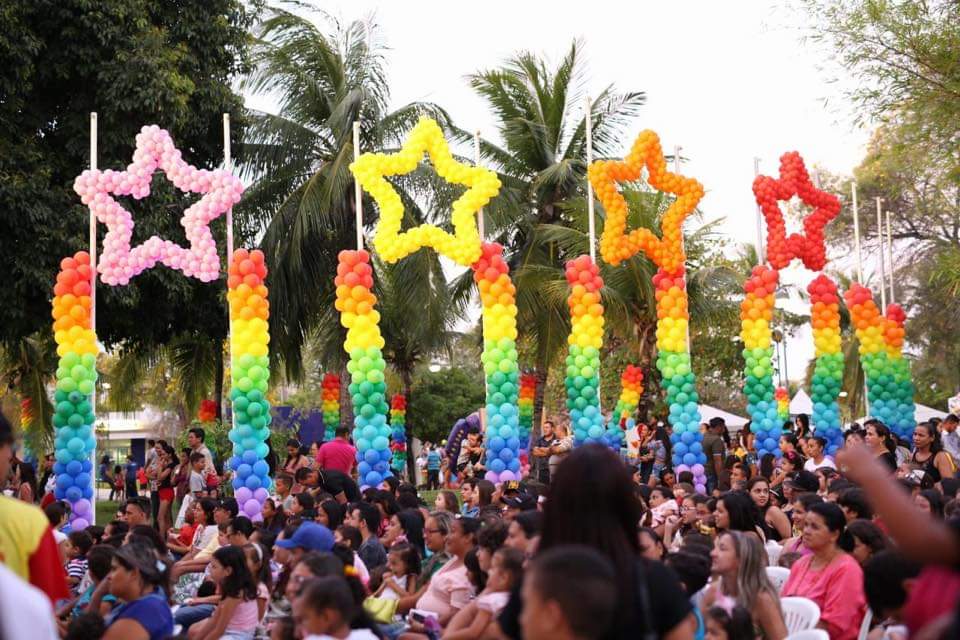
(615, 244)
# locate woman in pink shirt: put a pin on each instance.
(450, 589)
(829, 576)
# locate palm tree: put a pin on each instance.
(628, 294)
(324, 79)
(542, 164)
(28, 366)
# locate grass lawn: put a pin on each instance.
(107, 510)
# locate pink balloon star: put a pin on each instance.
(155, 149)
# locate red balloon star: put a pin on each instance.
(795, 181)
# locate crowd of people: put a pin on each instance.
(588, 546)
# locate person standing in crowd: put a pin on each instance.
(879, 440)
(196, 440)
(130, 477)
(929, 455)
(818, 458)
(433, 468)
(829, 576)
(152, 470)
(951, 437)
(541, 452)
(295, 459)
(715, 451)
(27, 545)
(470, 461)
(338, 454)
(560, 449)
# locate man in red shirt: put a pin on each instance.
(338, 454)
(27, 546)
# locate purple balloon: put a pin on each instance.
(261, 495)
(79, 524)
(507, 476)
(243, 495)
(701, 488)
(251, 507)
(697, 469)
(681, 468)
(492, 476)
(82, 507)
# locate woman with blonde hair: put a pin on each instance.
(740, 579)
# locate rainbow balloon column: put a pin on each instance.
(73, 418)
(398, 439)
(356, 302)
(330, 397)
(828, 368)
(525, 402)
(631, 386)
(673, 357)
(756, 313)
(498, 297)
(250, 376)
(893, 337)
(889, 387)
(583, 355)
(810, 249)
(782, 397)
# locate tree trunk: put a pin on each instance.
(647, 337)
(407, 378)
(346, 401)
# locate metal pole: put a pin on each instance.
(856, 232)
(93, 311)
(476, 161)
(883, 271)
(228, 165)
(592, 225)
(760, 257)
(357, 190)
(893, 297)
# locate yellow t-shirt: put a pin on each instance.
(22, 527)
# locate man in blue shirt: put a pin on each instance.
(130, 477)
(433, 469)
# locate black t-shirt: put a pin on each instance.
(334, 482)
(668, 604)
(888, 459)
(167, 483)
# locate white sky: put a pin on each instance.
(728, 81)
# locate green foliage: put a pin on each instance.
(135, 62)
(905, 56)
(439, 399)
(218, 441)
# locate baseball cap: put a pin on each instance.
(522, 501)
(804, 480)
(310, 536)
(511, 486)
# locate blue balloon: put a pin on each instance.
(261, 468)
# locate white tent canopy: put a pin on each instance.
(922, 413)
(801, 403)
(733, 421)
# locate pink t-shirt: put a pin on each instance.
(837, 589)
(245, 617)
(449, 590)
(337, 454)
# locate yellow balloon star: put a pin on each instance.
(371, 169)
(615, 244)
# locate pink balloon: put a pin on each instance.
(155, 149)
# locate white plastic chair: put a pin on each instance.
(778, 576)
(799, 614)
(773, 552)
(865, 625)
(809, 634)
